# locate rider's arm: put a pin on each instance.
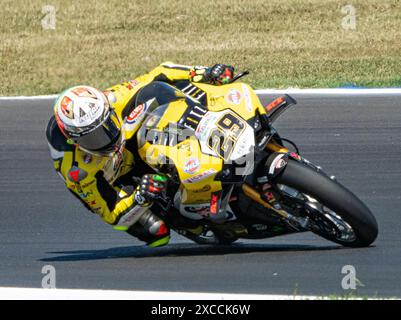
(170, 72)
(89, 185)
(167, 72)
(121, 207)
(118, 207)
(121, 94)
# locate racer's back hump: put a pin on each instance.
(55, 138)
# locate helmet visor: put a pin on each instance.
(103, 139)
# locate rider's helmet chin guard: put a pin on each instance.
(85, 117)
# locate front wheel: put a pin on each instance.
(336, 213)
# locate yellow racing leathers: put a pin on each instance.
(104, 184)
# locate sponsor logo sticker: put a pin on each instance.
(110, 96)
(76, 174)
(205, 188)
(202, 210)
(135, 113)
(87, 158)
(192, 166)
(278, 163)
(84, 92)
(234, 97)
(295, 156)
(248, 100)
(66, 107)
(85, 185)
(134, 82)
(206, 125)
(200, 176)
(281, 164)
(86, 195)
(88, 112)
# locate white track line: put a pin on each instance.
(334, 91)
(49, 97)
(79, 294)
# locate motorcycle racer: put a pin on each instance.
(92, 140)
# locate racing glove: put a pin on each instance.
(151, 187)
(218, 74)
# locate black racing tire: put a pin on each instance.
(334, 196)
(224, 240)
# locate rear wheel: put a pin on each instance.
(335, 212)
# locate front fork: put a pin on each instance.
(298, 223)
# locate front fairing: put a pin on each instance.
(180, 134)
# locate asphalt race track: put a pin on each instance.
(356, 138)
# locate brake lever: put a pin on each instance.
(164, 202)
(239, 75)
(136, 180)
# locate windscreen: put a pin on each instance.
(161, 91)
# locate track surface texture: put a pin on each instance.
(355, 138)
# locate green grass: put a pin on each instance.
(292, 43)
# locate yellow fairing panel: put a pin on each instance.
(196, 170)
(239, 97)
(197, 184)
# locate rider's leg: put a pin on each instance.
(151, 229)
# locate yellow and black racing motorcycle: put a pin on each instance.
(230, 172)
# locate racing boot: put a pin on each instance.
(151, 229)
(200, 235)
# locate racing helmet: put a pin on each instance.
(85, 117)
